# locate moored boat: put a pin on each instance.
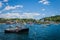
(17, 30)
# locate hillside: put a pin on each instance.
(53, 18)
(41, 21)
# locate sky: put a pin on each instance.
(35, 9)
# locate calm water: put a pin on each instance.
(36, 32)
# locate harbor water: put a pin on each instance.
(36, 32)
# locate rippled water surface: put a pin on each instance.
(36, 32)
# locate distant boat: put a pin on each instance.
(47, 24)
(16, 30)
(9, 22)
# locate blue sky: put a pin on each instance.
(35, 9)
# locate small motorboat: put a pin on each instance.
(17, 30)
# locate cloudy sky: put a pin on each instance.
(35, 9)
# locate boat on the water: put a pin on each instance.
(17, 30)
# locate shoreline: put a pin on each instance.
(41, 23)
(2, 23)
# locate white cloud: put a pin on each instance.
(30, 15)
(1, 4)
(7, 3)
(53, 15)
(13, 7)
(5, 0)
(43, 14)
(10, 15)
(19, 15)
(45, 2)
(43, 9)
(0, 11)
(21, 6)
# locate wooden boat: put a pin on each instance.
(23, 30)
